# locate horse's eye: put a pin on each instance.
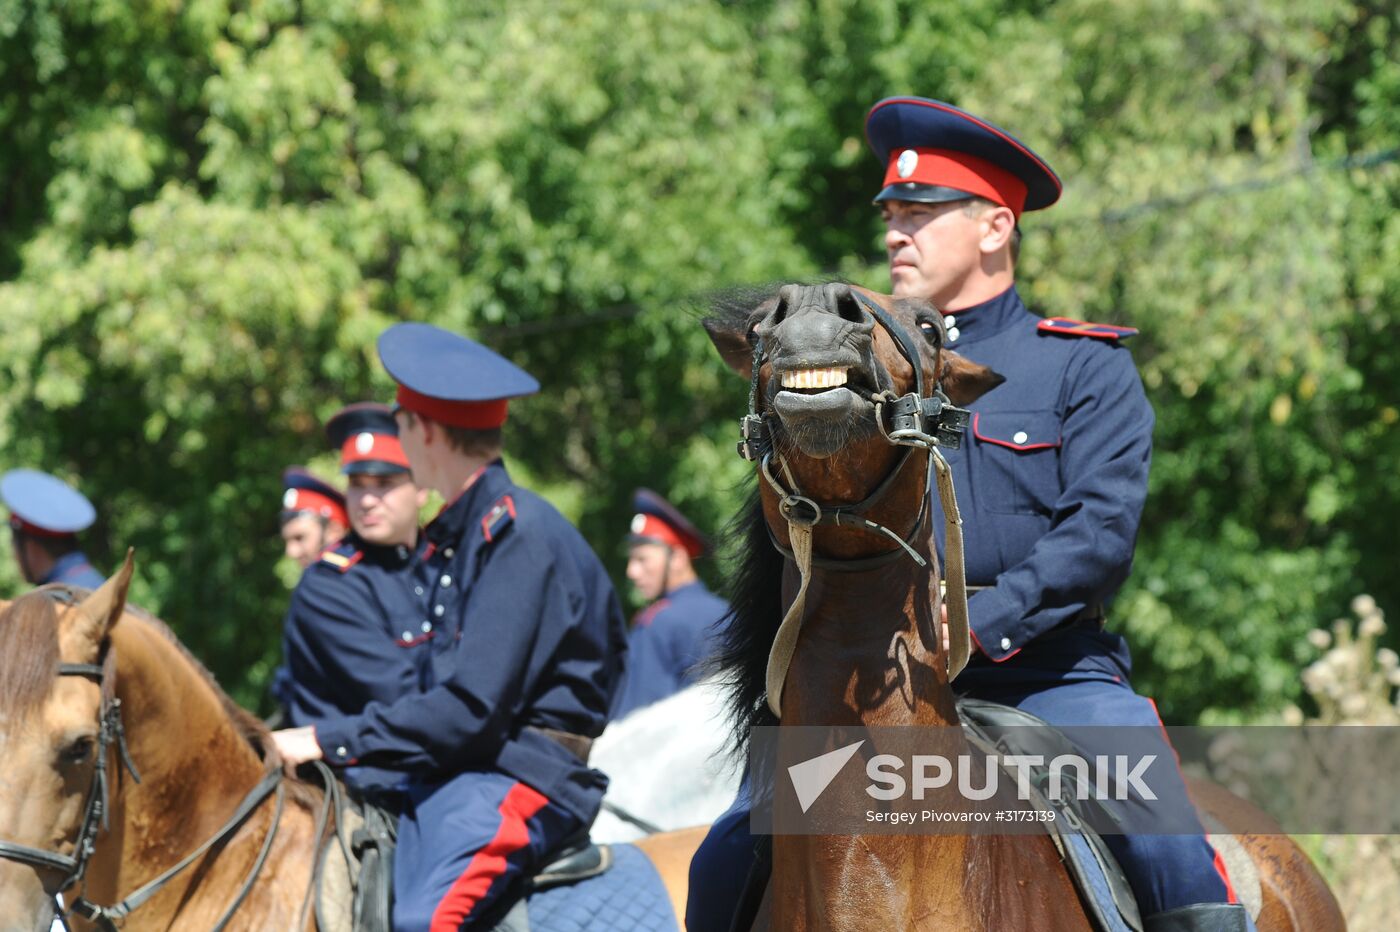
(752, 335)
(78, 750)
(930, 331)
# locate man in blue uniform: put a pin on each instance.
(526, 655)
(46, 515)
(312, 517)
(357, 630)
(674, 634)
(1051, 481)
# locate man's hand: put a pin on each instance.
(297, 745)
(947, 638)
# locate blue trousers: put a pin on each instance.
(1165, 871)
(465, 843)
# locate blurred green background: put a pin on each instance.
(209, 209)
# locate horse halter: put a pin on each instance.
(912, 421)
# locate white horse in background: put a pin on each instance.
(668, 765)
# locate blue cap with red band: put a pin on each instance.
(44, 505)
(657, 521)
(368, 438)
(449, 378)
(303, 493)
(934, 152)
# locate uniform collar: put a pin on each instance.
(393, 556)
(687, 589)
(470, 504)
(970, 324)
(64, 565)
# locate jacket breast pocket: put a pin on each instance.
(1018, 457)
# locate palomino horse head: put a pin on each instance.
(51, 739)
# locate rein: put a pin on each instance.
(111, 733)
(915, 422)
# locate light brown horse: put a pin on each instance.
(868, 652)
(198, 756)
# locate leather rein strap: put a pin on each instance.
(917, 421)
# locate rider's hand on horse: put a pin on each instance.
(298, 745)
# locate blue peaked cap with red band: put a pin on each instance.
(447, 377)
(368, 439)
(45, 504)
(656, 520)
(935, 152)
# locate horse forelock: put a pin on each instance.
(29, 658)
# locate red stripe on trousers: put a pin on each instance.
(489, 863)
(1219, 862)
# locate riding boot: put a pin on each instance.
(1201, 917)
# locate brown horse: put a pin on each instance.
(836, 350)
(65, 667)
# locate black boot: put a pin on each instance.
(1202, 917)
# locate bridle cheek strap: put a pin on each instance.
(954, 575)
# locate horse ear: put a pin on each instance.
(964, 381)
(99, 611)
(732, 341)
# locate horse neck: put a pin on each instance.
(194, 762)
(870, 654)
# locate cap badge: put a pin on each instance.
(907, 162)
(364, 442)
(289, 499)
(638, 523)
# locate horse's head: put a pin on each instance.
(826, 358)
(52, 699)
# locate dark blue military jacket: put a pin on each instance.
(669, 639)
(527, 631)
(1050, 481)
(357, 632)
(75, 570)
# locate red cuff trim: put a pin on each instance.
(472, 415)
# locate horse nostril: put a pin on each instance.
(849, 308)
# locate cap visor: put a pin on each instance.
(921, 193)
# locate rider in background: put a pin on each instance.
(527, 649)
(675, 632)
(357, 629)
(46, 515)
(1050, 481)
(312, 517)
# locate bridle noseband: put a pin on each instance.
(913, 421)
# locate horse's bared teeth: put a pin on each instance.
(814, 378)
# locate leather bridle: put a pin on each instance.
(914, 421)
(111, 734)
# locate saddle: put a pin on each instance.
(356, 868)
(1001, 730)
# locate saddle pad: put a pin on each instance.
(1094, 886)
(629, 897)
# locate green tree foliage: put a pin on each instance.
(211, 208)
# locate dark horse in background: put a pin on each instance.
(869, 652)
(93, 693)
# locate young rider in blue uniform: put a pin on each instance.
(528, 642)
(46, 515)
(672, 636)
(357, 630)
(1050, 483)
